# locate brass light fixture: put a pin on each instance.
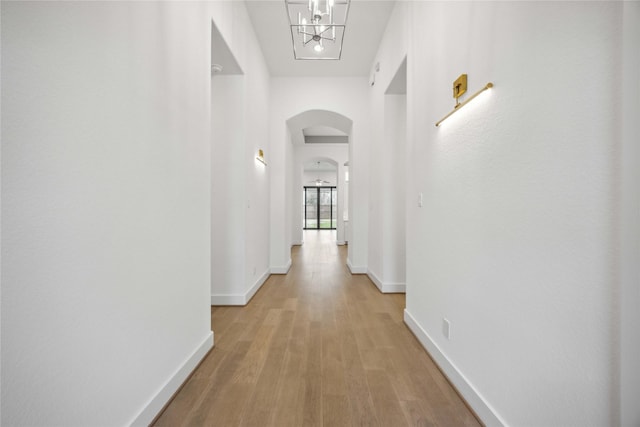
(460, 88)
(261, 157)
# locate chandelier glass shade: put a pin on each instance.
(317, 27)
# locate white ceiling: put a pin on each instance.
(319, 167)
(365, 26)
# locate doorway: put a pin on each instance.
(320, 208)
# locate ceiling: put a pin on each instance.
(364, 29)
(319, 166)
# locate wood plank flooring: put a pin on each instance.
(316, 347)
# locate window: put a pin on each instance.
(320, 208)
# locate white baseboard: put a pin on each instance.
(341, 243)
(297, 243)
(486, 413)
(376, 281)
(256, 286)
(227, 299)
(386, 288)
(166, 392)
(394, 288)
(356, 269)
(281, 270)
(238, 299)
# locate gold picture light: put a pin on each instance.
(459, 88)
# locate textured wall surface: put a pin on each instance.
(515, 241)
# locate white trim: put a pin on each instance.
(281, 270)
(487, 414)
(374, 279)
(297, 243)
(256, 286)
(227, 299)
(242, 300)
(394, 288)
(356, 269)
(341, 242)
(386, 288)
(166, 392)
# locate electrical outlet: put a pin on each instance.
(420, 200)
(446, 328)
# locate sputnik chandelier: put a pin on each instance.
(317, 27)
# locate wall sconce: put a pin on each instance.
(459, 88)
(261, 157)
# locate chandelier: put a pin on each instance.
(317, 27)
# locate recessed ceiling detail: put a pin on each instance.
(321, 130)
(325, 139)
(320, 134)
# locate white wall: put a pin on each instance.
(228, 191)
(516, 241)
(386, 263)
(388, 180)
(394, 188)
(257, 125)
(105, 208)
(345, 96)
(240, 185)
(629, 221)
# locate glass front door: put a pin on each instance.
(320, 208)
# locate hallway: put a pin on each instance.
(317, 346)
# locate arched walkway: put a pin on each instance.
(336, 154)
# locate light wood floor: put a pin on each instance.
(316, 347)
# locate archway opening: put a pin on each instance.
(319, 192)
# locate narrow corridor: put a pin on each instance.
(317, 346)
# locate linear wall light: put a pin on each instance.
(261, 157)
(459, 88)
